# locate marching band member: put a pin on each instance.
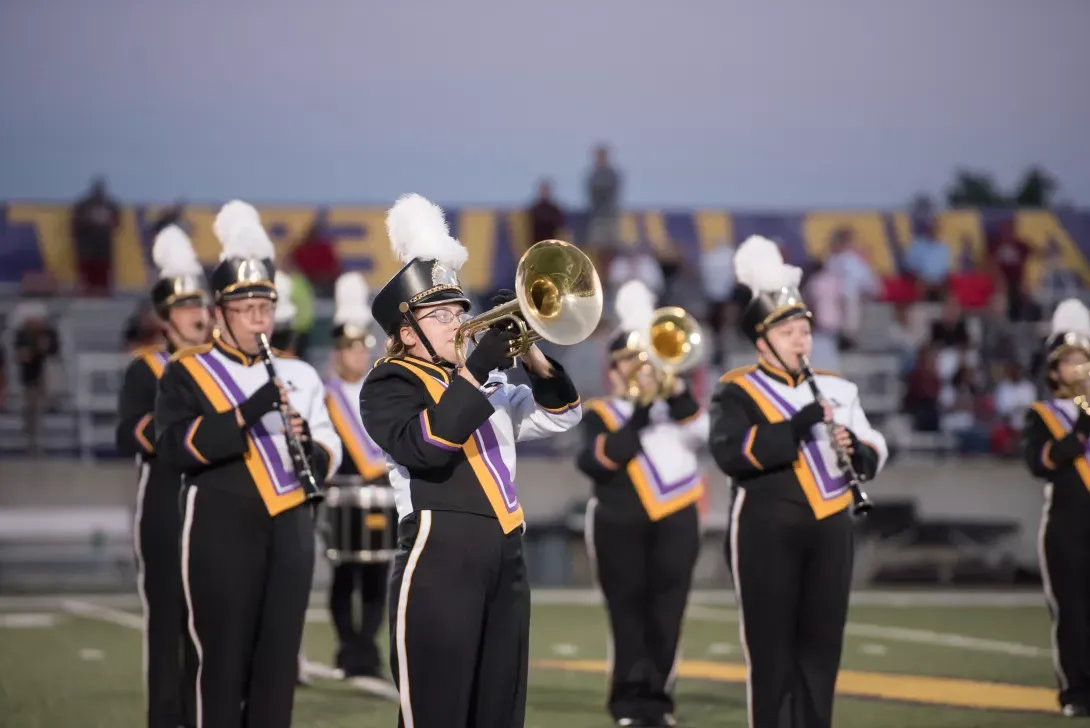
(790, 546)
(364, 463)
(247, 546)
(1055, 441)
(642, 525)
(460, 601)
(180, 301)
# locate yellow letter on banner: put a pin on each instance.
(373, 245)
(713, 227)
(50, 223)
(1040, 227)
(130, 270)
(870, 235)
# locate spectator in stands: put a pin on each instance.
(950, 329)
(858, 282)
(927, 260)
(1013, 396)
(825, 293)
(603, 232)
(94, 221)
(3, 370)
(960, 404)
(303, 296)
(717, 277)
(634, 263)
(1008, 255)
(908, 333)
(922, 389)
(998, 345)
(315, 257)
(35, 344)
(1058, 281)
(546, 217)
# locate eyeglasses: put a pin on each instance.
(445, 315)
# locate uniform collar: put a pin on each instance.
(442, 372)
(780, 375)
(235, 355)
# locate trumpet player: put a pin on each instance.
(180, 300)
(790, 546)
(460, 602)
(640, 452)
(1055, 444)
(247, 548)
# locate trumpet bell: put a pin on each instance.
(558, 298)
(675, 340)
(559, 292)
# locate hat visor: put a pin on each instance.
(255, 290)
(445, 296)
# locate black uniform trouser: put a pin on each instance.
(459, 622)
(170, 659)
(1064, 551)
(792, 577)
(645, 571)
(247, 578)
(357, 650)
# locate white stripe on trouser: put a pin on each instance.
(592, 560)
(187, 527)
(402, 606)
(1046, 582)
(735, 518)
(141, 574)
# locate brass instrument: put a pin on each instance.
(672, 344)
(1080, 393)
(860, 502)
(558, 298)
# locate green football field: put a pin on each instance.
(78, 662)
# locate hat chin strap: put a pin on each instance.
(410, 318)
(776, 354)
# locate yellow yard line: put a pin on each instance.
(886, 686)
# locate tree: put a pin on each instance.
(978, 189)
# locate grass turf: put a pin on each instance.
(84, 673)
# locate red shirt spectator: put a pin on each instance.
(316, 258)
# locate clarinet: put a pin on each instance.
(299, 460)
(860, 503)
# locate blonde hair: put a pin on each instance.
(395, 347)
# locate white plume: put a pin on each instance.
(173, 253)
(350, 298)
(285, 309)
(238, 227)
(1071, 315)
(417, 229)
(634, 306)
(758, 264)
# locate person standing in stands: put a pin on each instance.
(180, 302)
(94, 222)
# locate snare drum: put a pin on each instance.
(359, 524)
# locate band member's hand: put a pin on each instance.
(842, 438)
(641, 416)
(827, 412)
(298, 424)
(490, 353)
(264, 400)
(805, 419)
(536, 362)
(645, 379)
(1082, 425)
(498, 299)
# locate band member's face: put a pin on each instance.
(440, 324)
(354, 360)
(791, 340)
(189, 322)
(622, 372)
(246, 319)
(1067, 366)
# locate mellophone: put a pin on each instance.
(358, 522)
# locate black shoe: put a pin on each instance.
(1076, 710)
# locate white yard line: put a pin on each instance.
(900, 634)
(576, 597)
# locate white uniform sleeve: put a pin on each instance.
(696, 429)
(321, 426)
(532, 421)
(867, 434)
